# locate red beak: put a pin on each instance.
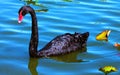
(20, 17)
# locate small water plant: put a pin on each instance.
(117, 45)
(103, 0)
(107, 69)
(42, 8)
(103, 36)
(67, 0)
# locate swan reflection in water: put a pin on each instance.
(33, 63)
(68, 58)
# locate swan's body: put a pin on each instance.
(62, 44)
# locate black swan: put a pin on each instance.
(62, 44)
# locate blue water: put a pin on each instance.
(61, 17)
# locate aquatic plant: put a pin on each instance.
(36, 3)
(117, 45)
(67, 0)
(108, 69)
(103, 0)
(103, 35)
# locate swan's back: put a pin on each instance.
(64, 44)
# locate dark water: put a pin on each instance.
(62, 17)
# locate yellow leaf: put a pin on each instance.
(108, 69)
(103, 35)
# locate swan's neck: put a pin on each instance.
(34, 36)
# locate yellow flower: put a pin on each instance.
(108, 69)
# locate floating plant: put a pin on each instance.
(36, 3)
(67, 0)
(108, 69)
(117, 45)
(103, 36)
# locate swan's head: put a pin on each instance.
(82, 38)
(22, 12)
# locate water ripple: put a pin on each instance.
(61, 17)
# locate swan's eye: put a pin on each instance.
(20, 17)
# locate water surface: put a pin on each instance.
(58, 18)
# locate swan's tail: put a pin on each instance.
(82, 38)
(85, 38)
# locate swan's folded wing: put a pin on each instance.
(61, 44)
